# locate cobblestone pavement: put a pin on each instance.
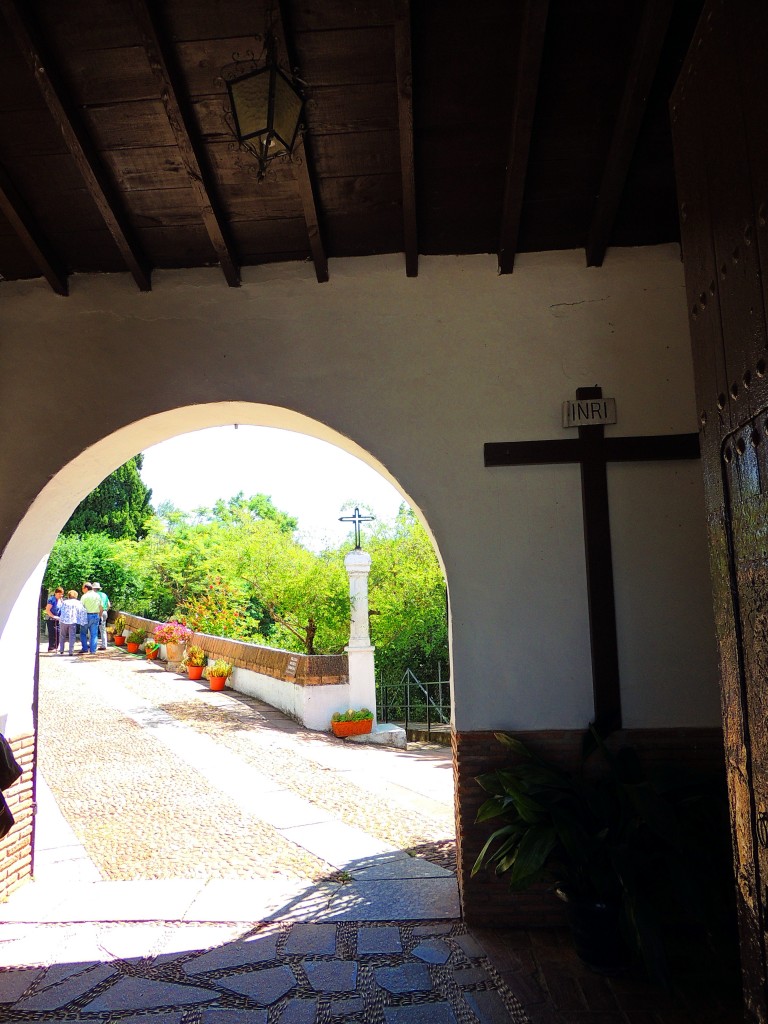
(140, 813)
(189, 808)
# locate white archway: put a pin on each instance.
(23, 562)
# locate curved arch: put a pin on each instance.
(23, 561)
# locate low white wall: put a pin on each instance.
(311, 706)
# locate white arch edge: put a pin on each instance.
(23, 561)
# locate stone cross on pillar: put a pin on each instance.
(362, 673)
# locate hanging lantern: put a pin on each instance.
(267, 110)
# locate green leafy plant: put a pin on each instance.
(654, 844)
(151, 645)
(218, 668)
(119, 625)
(351, 715)
(137, 636)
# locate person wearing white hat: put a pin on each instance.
(105, 606)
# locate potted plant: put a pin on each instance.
(151, 649)
(217, 673)
(625, 849)
(135, 639)
(194, 661)
(119, 628)
(351, 722)
(174, 635)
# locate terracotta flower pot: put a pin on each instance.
(119, 641)
(195, 671)
(359, 728)
(132, 648)
(152, 654)
(217, 682)
(174, 652)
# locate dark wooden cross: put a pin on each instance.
(356, 519)
(592, 450)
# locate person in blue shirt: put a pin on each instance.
(52, 613)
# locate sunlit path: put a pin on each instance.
(159, 778)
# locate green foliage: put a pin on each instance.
(257, 507)
(119, 507)
(352, 716)
(195, 656)
(218, 668)
(407, 600)
(654, 843)
(119, 625)
(137, 636)
(75, 559)
(237, 570)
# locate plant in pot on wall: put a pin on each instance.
(351, 722)
(218, 673)
(135, 640)
(638, 857)
(174, 635)
(194, 661)
(119, 630)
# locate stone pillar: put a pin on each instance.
(362, 672)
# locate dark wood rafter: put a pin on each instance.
(30, 236)
(301, 161)
(76, 139)
(532, 34)
(404, 75)
(176, 106)
(642, 70)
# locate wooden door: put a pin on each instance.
(719, 114)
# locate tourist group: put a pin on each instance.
(86, 615)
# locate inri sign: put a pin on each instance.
(589, 412)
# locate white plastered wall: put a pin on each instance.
(414, 375)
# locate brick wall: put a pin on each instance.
(16, 847)
(486, 899)
(302, 669)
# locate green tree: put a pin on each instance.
(257, 507)
(119, 507)
(75, 559)
(407, 600)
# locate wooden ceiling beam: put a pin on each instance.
(75, 137)
(642, 71)
(30, 236)
(404, 75)
(532, 34)
(163, 65)
(300, 163)
(301, 160)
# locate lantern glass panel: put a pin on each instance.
(250, 101)
(287, 113)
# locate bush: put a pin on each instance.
(93, 556)
(138, 636)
